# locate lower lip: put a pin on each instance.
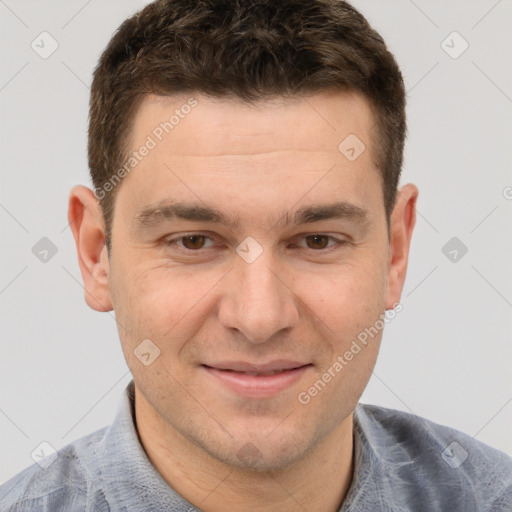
(258, 386)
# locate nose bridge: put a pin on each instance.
(260, 304)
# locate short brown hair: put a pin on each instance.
(249, 49)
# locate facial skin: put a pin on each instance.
(303, 299)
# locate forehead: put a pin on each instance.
(318, 122)
(228, 154)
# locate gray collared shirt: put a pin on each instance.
(402, 463)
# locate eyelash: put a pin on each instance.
(174, 242)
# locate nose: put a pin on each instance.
(257, 300)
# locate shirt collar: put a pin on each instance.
(127, 477)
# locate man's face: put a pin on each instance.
(225, 316)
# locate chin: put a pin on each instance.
(261, 454)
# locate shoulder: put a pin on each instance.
(61, 481)
(441, 458)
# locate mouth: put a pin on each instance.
(257, 380)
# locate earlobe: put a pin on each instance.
(402, 224)
(86, 222)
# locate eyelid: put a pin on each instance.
(176, 239)
(339, 241)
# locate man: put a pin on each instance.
(247, 230)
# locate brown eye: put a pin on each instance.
(190, 242)
(317, 241)
(193, 241)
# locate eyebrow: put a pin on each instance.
(165, 211)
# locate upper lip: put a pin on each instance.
(242, 366)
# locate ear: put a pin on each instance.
(86, 222)
(401, 227)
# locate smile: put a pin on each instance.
(257, 381)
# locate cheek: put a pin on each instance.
(152, 304)
(161, 303)
(137, 300)
(346, 297)
(349, 304)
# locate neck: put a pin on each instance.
(318, 481)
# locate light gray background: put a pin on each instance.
(446, 356)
